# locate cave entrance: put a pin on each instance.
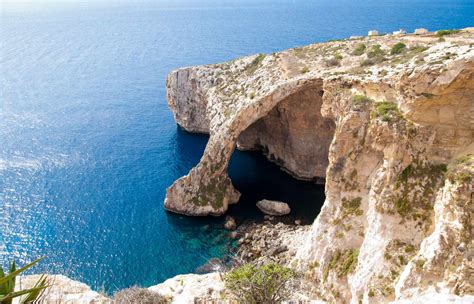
(283, 156)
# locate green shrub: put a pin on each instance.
(367, 62)
(360, 100)
(359, 49)
(387, 111)
(7, 285)
(376, 51)
(304, 70)
(416, 49)
(342, 262)
(137, 295)
(260, 284)
(255, 64)
(398, 48)
(374, 56)
(459, 169)
(442, 33)
(351, 207)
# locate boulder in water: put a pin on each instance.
(273, 207)
(230, 223)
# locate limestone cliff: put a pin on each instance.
(62, 290)
(387, 122)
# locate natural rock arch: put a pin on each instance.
(286, 124)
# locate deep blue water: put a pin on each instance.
(88, 145)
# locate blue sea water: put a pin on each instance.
(88, 145)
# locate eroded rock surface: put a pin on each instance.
(192, 288)
(63, 290)
(393, 135)
(294, 135)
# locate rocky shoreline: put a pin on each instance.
(273, 239)
(270, 241)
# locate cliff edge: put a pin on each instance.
(386, 122)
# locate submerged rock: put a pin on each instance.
(233, 235)
(230, 223)
(212, 265)
(273, 207)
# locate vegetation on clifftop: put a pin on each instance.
(359, 49)
(398, 48)
(460, 169)
(266, 284)
(442, 33)
(255, 64)
(387, 111)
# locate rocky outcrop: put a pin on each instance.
(273, 207)
(192, 288)
(389, 129)
(230, 223)
(270, 242)
(186, 93)
(63, 290)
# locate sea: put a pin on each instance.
(88, 144)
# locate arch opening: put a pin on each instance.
(295, 138)
(294, 135)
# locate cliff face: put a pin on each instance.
(62, 290)
(390, 132)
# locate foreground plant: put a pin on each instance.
(7, 285)
(269, 283)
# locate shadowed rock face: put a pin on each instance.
(294, 135)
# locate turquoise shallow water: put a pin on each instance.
(88, 145)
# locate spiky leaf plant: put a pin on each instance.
(7, 285)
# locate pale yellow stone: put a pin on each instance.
(446, 115)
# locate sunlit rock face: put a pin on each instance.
(62, 290)
(391, 133)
